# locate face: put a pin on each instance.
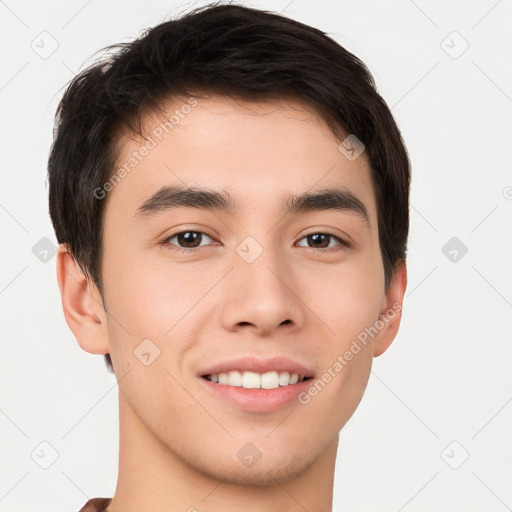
(190, 287)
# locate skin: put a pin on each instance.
(178, 445)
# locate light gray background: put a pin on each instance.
(442, 392)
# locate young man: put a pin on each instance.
(230, 194)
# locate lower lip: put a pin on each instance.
(258, 400)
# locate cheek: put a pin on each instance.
(150, 298)
(161, 303)
(348, 304)
(347, 298)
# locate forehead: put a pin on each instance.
(254, 149)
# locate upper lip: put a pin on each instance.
(258, 365)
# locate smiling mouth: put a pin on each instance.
(253, 380)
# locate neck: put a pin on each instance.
(154, 477)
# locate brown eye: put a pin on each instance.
(321, 240)
(186, 240)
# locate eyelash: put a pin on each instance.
(343, 243)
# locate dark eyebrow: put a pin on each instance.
(326, 199)
(179, 196)
(176, 196)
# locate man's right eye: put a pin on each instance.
(189, 238)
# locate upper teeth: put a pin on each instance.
(268, 380)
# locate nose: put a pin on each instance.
(262, 295)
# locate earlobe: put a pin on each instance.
(82, 304)
(391, 313)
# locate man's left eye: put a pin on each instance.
(322, 240)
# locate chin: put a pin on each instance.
(264, 473)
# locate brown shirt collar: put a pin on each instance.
(96, 505)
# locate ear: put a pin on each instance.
(391, 312)
(82, 305)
